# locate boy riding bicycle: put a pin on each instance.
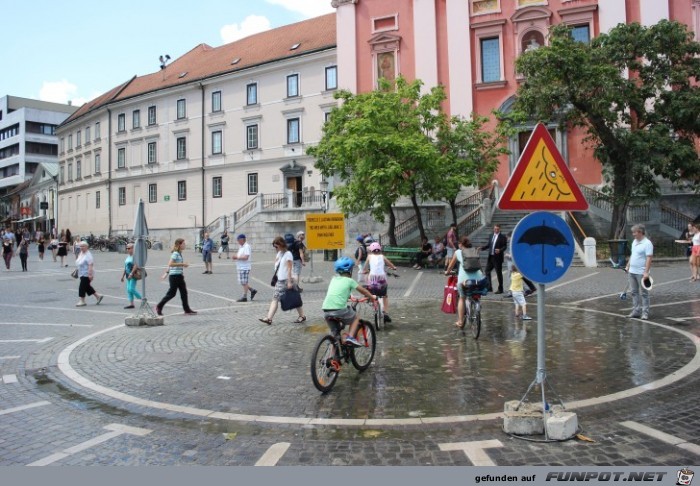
(336, 300)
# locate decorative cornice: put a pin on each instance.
(340, 3)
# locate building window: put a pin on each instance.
(251, 137)
(70, 142)
(61, 177)
(122, 196)
(70, 172)
(216, 189)
(216, 101)
(121, 122)
(152, 193)
(292, 85)
(61, 144)
(216, 142)
(181, 190)
(78, 169)
(152, 120)
(252, 94)
(581, 33)
(136, 119)
(97, 130)
(78, 139)
(152, 153)
(87, 135)
(97, 163)
(181, 148)
(252, 184)
(293, 130)
(181, 109)
(121, 158)
(490, 60)
(331, 78)
(97, 199)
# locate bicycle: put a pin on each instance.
(377, 305)
(472, 309)
(330, 353)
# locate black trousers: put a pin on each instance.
(495, 262)
(23, 259)
(177, 282)
(85, 287)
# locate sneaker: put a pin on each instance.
(129, 307)
(191, 313)
(632, 315)
(99, 299)
(252, 294)
(242, 299)
(80, 304)
(351, 340)
(526, 317)
(644, 317)
(159, 310)
(386, 317)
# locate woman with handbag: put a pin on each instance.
(132, 273)
(282, 281)
(86, 272)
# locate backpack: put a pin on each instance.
(290, 241)
(361, 253)
(470, 260)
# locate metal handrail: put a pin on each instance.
(579, 234)
(471, 223)
(673, 218)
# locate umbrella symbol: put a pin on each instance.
(545, 236)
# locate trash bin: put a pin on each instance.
(618, 253)
(330, 255)
(121, 247)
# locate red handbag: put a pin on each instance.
(449, 301)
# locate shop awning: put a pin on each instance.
(28, 219)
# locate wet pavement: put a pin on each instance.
(221, 387)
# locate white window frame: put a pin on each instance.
(251, 89)
(98, 199)
(97, 131)
(121, 122)
(220, 135)
(182, 190)
(78, 170)
(152, 152)
(181, 109)
(484, 31)
(136, 119)
(256, 128)
(152, 193)
(181, 155)
(333, 69)
(216, 100)
(98, 162)
(253, 187)
(295, 92)
(152, 115)
(121, 158)
(121, 195)
(78, 138)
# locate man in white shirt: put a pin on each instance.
(243, 261)
(638, 267)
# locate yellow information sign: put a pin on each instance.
(541, 180)
(325, 231)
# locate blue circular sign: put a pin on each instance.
(542, 246)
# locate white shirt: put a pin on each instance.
(376, 265)
(696, 238)
(641, 249)
(282, 259)
(243, 251)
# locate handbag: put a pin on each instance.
(290, 299)
(137, 274)
(273, 282)
(74, 274)
(449, 301)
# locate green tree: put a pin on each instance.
(379, 144)
(469, 155)
(634, 90)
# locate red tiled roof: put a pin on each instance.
(205, 61)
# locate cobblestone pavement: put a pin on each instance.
(220, 388)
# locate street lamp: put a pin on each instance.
(324, 194)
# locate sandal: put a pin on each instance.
(266, 320)
(300, 319)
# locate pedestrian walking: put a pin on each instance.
(86, 274)
(40, 245)
(243, 263)
(298, 258)
(283, 276)
(130, 269)
(53, 246)
(7, 250)
(63, 251)
(361, 256)
(224, 246)
(497, 245)
(451, 243)
(639, 266)
(176, 276)
(24, 253)
(207, 247)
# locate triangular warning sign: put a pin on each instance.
(541, 180)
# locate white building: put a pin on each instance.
(28, 146)
(211, 131)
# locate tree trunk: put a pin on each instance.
(392, 227)
(419, 218)
(622, 188)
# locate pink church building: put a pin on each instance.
(470, 47)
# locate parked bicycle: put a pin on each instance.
(330, 352)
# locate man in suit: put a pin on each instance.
(497, 245)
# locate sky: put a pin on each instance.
(78, 49)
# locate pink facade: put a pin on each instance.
(469, 46)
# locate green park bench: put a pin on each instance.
(400, 254)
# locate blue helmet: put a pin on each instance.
(344, 265)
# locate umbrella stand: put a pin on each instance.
(541, 376)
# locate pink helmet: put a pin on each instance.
(375, 247)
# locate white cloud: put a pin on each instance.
(252, 24)
(308, 8)
(57, 91)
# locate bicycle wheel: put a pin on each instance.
(362, 356)
(323, 374)
(148, 244)
(475, 318)
(103, 246)
(379, 314)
